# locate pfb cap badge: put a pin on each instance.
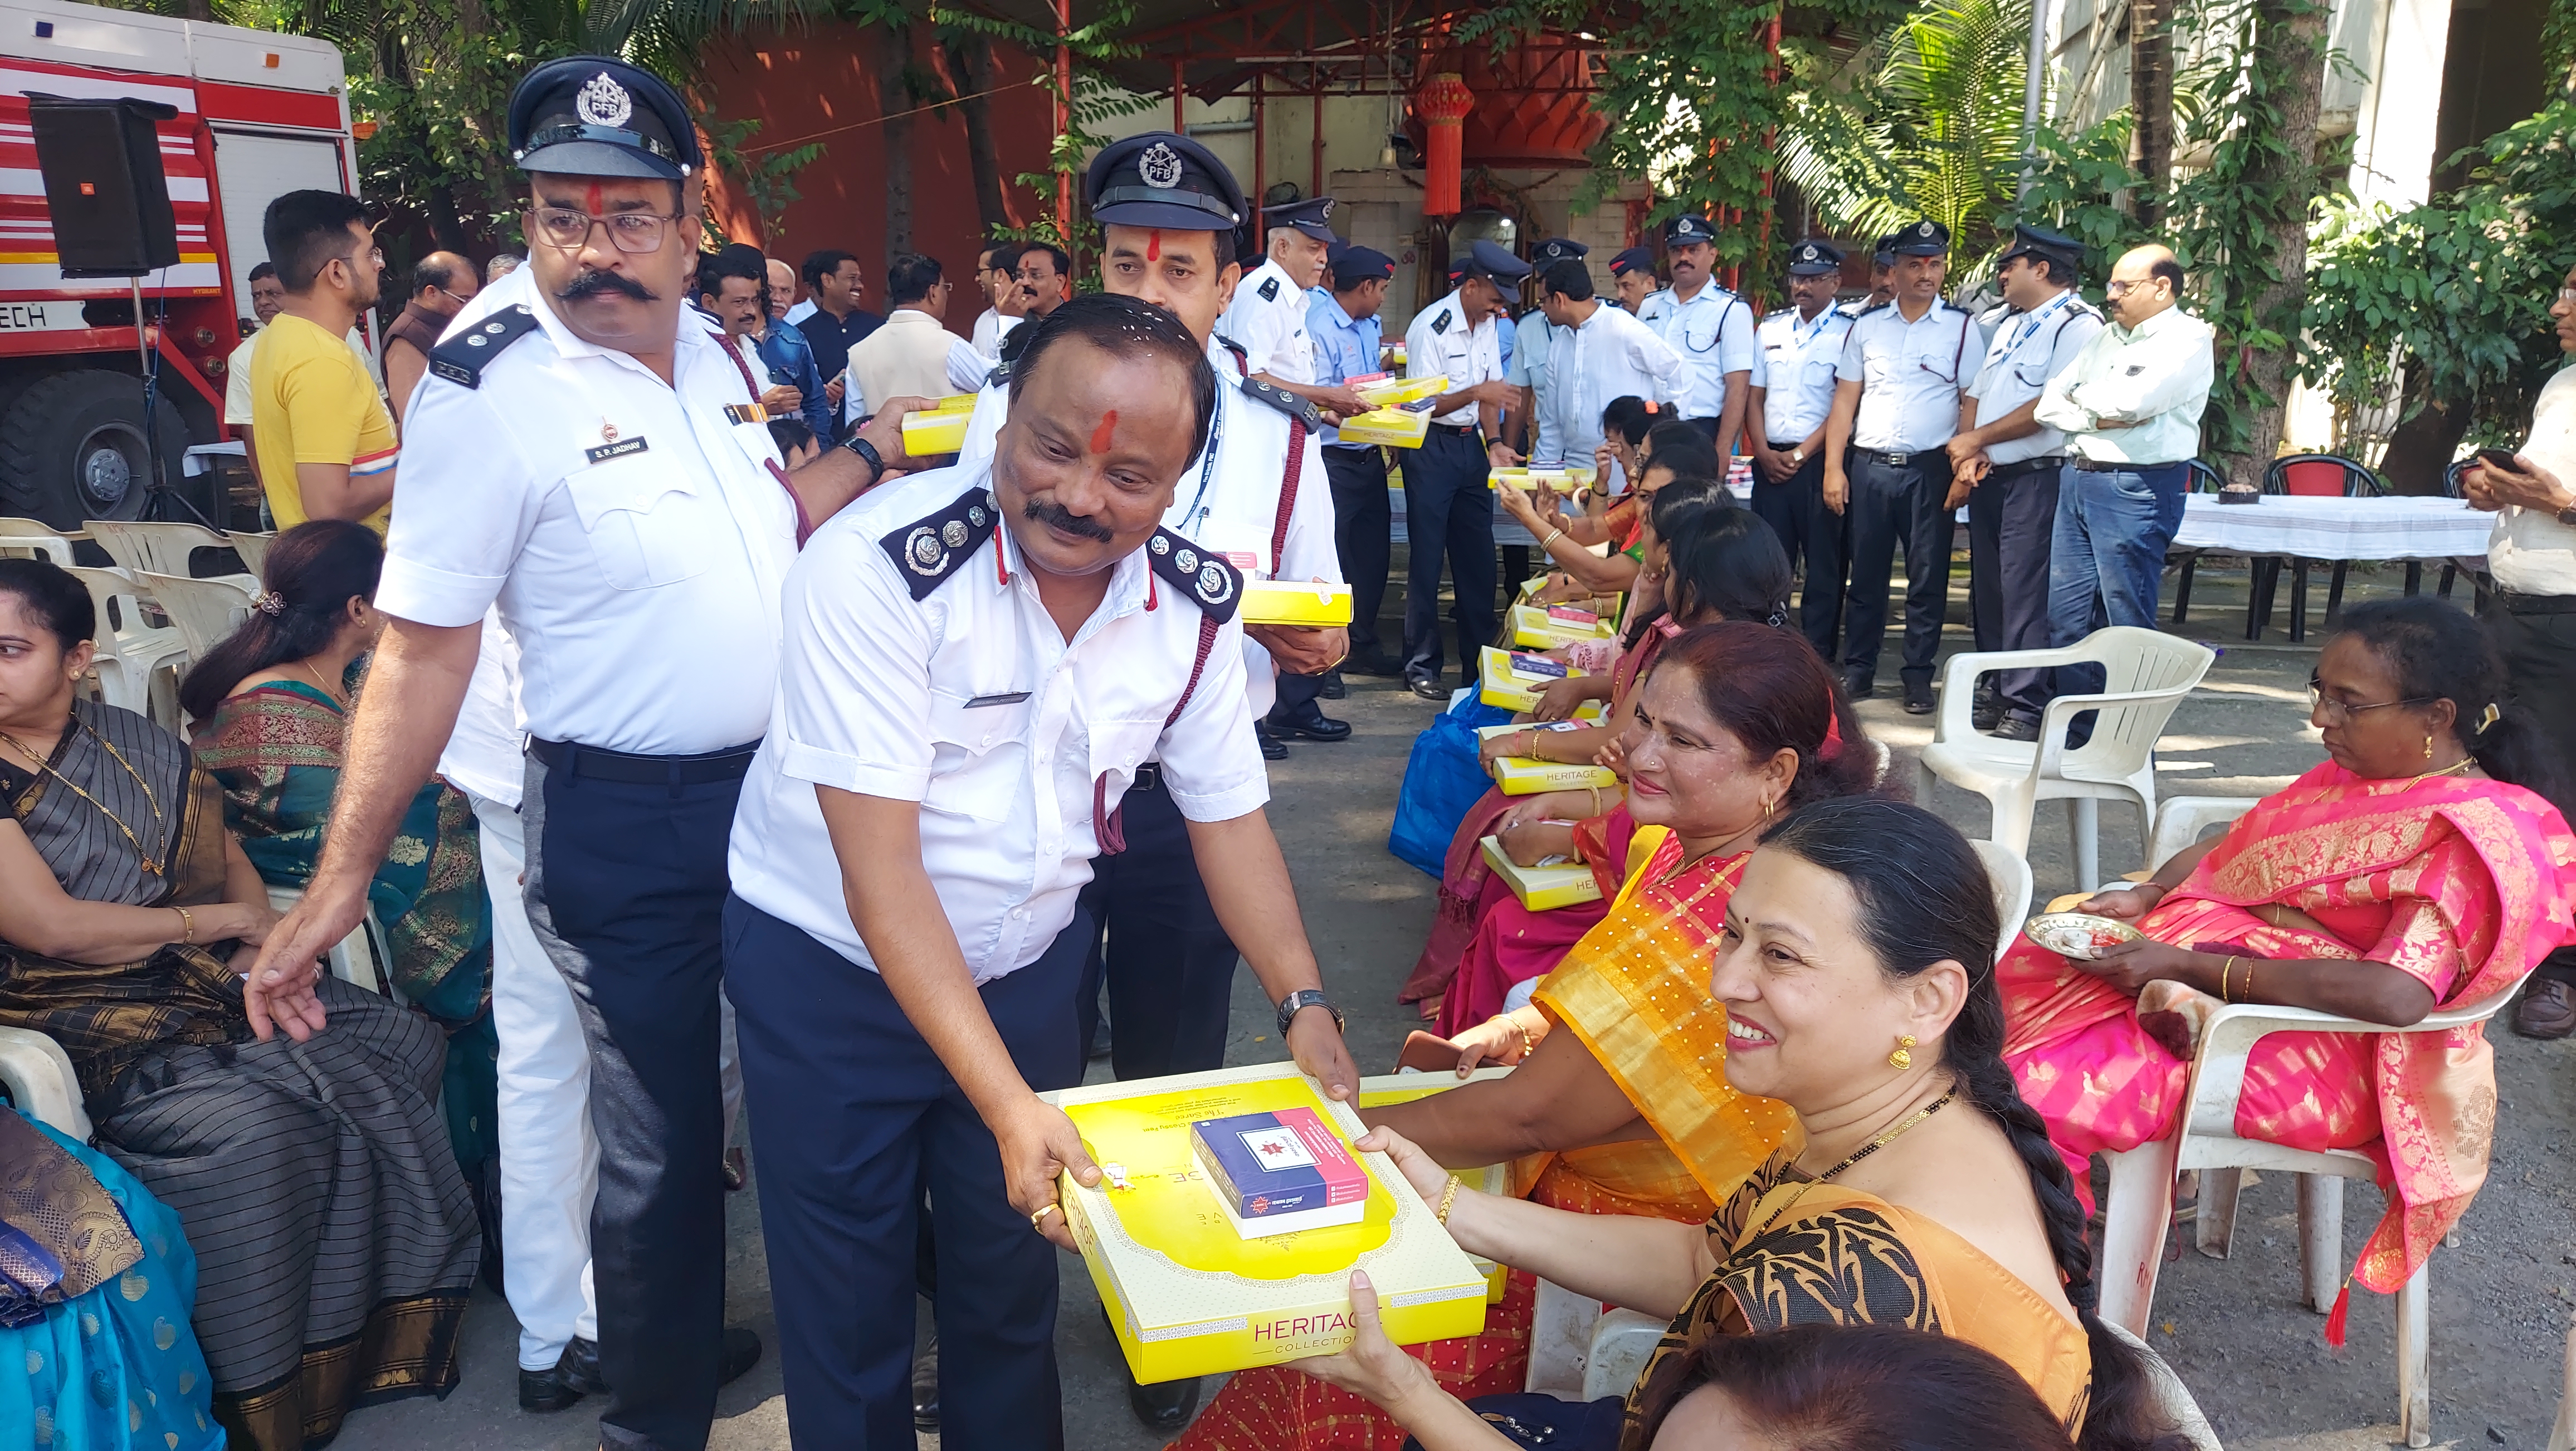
(1160, 165)
(1923, 229)
(604, 102)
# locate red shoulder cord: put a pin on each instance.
(1108, 823)
(804, 523)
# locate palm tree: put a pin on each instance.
(1934, 131)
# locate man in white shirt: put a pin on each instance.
(1448, 510)
(1267, 318)
(998, 273)
(1595, 353)
(1896, 403)
(1532, 424)
(1797, 350)
(912, 355)
(2012, 463)
(979, 662)
(267, 299)
(2130, 408)
(1709, 326)
(2532, 610)
(596, 467)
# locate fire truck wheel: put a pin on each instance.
(71, 448)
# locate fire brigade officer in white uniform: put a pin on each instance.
(979, 662)
(1793, 392)
(591, 456)
(1447, 507)
(1267, 318)
(1709, 326)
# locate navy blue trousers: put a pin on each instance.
(854, 1118)
(1447, 511)
(2012, 520)
(1812, 536)
(1168, 964)
(1892, 507)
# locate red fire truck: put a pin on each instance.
(259, 114)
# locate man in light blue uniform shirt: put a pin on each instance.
(1793, 393)
(1346, 332)
(1525, 361)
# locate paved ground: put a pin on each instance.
(2501, 1297)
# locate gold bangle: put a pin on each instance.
(2249, 979)
(2224, 971)
(1553, 535)
(1520, 1028)
(187, 927)
(1448, 1197)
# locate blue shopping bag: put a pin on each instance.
(1442, 782)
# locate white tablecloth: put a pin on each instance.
(2315, 528)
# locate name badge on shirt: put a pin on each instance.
(620, 449)
(1013, 697)
(746, 413)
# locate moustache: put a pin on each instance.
(1057, 516)
(591, 282)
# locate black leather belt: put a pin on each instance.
(1898, 460)
(1456, 428)
(2026, 466)
(1149, 777)
(2097, 466)
(599, 764)
(2518, 604)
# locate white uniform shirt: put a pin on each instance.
(970, 701)
(1910, 375)
(483, 755)
(987, 338)
(635, 537)
(2531, 552)
(1228, 496)
(2029, 349)
(1611, 355)
(1793, 365)
(2155, 377)
(1713, 332)
(1441, 340)
(1267, 319)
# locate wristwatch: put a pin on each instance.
(1302, 999)
(2567, 516)
(868, 455)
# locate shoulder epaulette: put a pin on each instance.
(1210, 580)
(1866, 311)
(1269, 289)
(931, 549)
(1285, 401)
(1013, 343)
(1440, 323)
(461, 359)
(1783, 312)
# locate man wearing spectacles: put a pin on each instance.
(592, 459)
(326, 444)
(441, 284)
(2532, 610)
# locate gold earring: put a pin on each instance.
(2428, 748)
(1902, 1058)
(1766, 808)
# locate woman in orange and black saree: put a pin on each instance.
(335, 1240)
(2424, 865)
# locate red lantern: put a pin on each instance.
(1442, 105)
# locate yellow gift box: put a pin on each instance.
(1383, 1089)
(1393, 427)
(1509, 688)
(1287, 602)
(1533, 628)
(1529, 775)
(1390, 392)
(1541, 888)
(1189, 1296)
(939, 430)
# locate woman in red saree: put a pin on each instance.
(1628, 1111)
(2424, 865)
(1728, 566)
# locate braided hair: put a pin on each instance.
(1924, 898)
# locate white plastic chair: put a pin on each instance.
(358, 959)
(2012, 886)
(2182, 820)
(253, 549)
(204, 611)
(2140, 1204)
(38, 1075)
(2148, 673)
(34, 539)
(138, 664)
(143, 546)
(1579, 1352)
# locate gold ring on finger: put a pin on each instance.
(1038, 1220)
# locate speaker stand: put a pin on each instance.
(158, 495)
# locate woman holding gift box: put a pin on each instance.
(1856, 971)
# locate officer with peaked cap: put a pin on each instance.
(2015, 465)
(1882, 277)
(1347, 330)
(1447, 508)
(1793, 392)
(1267, 318)
(1532, 425)
(1709, 326)
(593, 458)
(1887, 465)
(1632, 274)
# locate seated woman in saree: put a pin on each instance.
(335, 1240)
(1672, 451)
(2425, 864)
(96, 1282)
(1724, 564)
(1468, 889)
(1627, 1113)
(1917, 1189)
(270, 703)
(1846, 1385)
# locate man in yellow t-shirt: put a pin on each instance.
(326, 445)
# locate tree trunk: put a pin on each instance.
(2289, 43)
(970, 61)
(894, 97)
(2151, 103)
(2421, 445)
(445, 227)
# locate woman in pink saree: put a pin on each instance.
(2424, 865)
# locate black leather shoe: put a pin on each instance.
(925, 1386)
(741, 1353)
(1372, 664)
(1918, 697)
(1428, 687)
(2547, 1010)
(2016, 728)
(1857, 685)
(575, 1374)
(1333, 688)
(1272, 748)
(1165, 1405)
(1987, 711)
(1314, 725)
(737, 1171)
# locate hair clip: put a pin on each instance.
(2487, 721)
(270, 603)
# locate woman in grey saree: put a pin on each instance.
(335, 1240)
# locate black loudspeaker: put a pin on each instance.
(104, 185)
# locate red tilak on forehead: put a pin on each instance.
(1154, 245)
(1100, 435)
(592, 197)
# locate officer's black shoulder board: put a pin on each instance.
(1269, 289)
(462, 358)
(1440, 321)
(1866, 311)
(930, 549)
(1242, 358)
(1285, 401)
(999, 377)
(1784, 312)
(1210, 580)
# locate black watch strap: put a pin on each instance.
(1302, 999)
(868, 455)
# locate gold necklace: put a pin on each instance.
(317, 679)
(2453, 769)
(160, 822)
(1892, 1135)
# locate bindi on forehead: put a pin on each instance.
(591, 195)
(1100, 436)
(1154, 245)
